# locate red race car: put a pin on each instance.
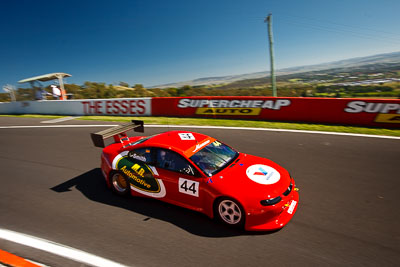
(198, 172)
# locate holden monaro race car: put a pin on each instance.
(198, 172)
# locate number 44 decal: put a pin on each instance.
(189, 187)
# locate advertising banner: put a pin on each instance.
(117, 107)
(82, 107)
(344, 111)
(365, 112)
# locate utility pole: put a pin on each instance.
(268, 20)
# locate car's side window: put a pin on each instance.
(141, 154)
(172, 161)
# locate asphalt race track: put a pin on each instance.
(52, 188)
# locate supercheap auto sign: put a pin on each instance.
(386, 112)
(232, 107)
(375, 112)
(227, 107)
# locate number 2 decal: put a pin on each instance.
(189, 187)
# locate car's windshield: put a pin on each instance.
(214, 157)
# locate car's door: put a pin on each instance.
(184, 185)
(138, 166)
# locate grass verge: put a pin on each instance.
(34, 116)
(253, 124)
(233, 123)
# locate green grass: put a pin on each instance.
(252, 124)
(233, 123)
(34, 116)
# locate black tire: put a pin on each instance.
(119, 184)
(230, 212)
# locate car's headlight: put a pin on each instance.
(275, 200)
(271, 201)
(287, 192)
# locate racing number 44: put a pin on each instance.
(189, 187)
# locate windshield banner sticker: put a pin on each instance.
(196, 148)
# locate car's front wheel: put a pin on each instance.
(120, 184)
(230, 212)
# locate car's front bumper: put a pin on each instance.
(275, 217)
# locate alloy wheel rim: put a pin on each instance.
(119, 183)
(230, 212)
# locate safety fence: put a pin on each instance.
(345, 111)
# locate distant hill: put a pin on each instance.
(347, 63)
(215, 80)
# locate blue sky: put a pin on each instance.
(155, 42)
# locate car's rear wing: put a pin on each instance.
(118, 132)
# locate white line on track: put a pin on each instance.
(274, 130)
(60, 119)
(203, 127)
(57, 249)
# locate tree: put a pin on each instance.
(124, 84)
(73, 89)
(138, 86)
(94, 90)
(182, 91)
(110, 92)
(172, 91)
(159, 92)
(4, 97)
(140, 91)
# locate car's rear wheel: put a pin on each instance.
(119, 184)
(230, 212)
